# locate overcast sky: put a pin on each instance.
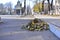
(15, 1)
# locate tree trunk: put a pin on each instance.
(43, 5)
(48, 5)
(52, 5)
(24, 6)
(39, 6)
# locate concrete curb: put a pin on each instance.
(27, 17)
(55, 30)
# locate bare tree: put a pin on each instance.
(52, 5)
(24, 6)
(28, 10)
(43, 5)
(48, 5)
(9, 7)
(1, 8)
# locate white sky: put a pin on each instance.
(15, 1)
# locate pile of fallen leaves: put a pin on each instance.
(36, 24)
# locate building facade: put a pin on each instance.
(18, 8)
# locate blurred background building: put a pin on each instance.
(18, 8)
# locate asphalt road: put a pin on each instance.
(11, 30)
(53, 21)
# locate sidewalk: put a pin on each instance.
(29, 17)
(46, 17)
